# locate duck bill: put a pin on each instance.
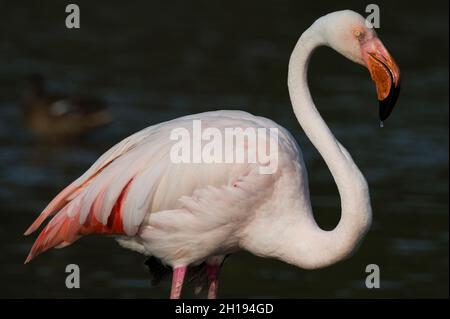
(385, 73)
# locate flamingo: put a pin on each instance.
(194, 215)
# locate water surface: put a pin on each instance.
(155, 61)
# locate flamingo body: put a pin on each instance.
(156, 206)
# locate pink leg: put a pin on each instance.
(177, 281)
(212, 272)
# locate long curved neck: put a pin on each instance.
(306, 244)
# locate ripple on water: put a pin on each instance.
(412, 246)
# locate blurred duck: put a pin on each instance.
(54, 115)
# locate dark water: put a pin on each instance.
(157, 60)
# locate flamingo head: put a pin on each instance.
(350, 34)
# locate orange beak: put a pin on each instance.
(384, 72)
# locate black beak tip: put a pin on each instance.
(387, 105)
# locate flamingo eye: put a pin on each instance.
(358, 34)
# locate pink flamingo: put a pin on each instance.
(189, 214)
